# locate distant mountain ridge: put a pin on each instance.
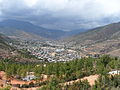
(101, 40)
(19, 34)
(16, 28)
(108, 32)
(33, 29)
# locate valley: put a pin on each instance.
(83, 61)
(59, 44)
(49, 51)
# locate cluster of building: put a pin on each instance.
(55, 51)
(49, 51)
(53, 54)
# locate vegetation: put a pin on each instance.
(107, 83)
(6, 88)
(25, 54)
(63, 72)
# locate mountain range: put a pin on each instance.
(104, 40)
(100, 34)
(27, 30)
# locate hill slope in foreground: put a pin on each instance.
(105, 40)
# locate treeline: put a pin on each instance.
(64, 71)
(106, 82)
(69, 70)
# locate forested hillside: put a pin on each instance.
(69, 71)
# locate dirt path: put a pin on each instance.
(34, 88)
(91, 79)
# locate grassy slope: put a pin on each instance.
(98, 34)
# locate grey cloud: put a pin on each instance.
(62, 14)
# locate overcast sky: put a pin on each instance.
(62, 14)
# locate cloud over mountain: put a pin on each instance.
(62, 14)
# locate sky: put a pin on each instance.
(62, 14)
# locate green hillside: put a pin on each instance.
(100, 34)
(3, 42)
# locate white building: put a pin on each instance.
(29, 78)
(115, 72)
